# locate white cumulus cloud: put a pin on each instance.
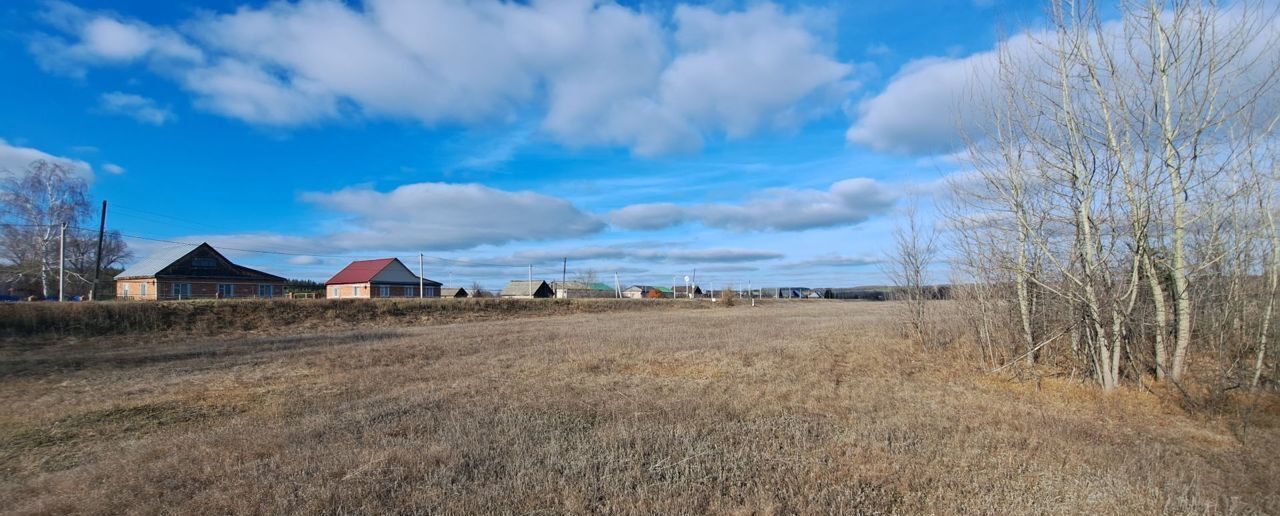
(139, 108)
(442, 216)
(846, 202)
(599, 73)
(106, 39)
(933, 102)
(14, 159)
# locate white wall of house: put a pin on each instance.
(396, 272)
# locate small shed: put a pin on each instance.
(524, 289)
(458, 292)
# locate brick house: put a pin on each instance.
(382, 278)
(194, 272)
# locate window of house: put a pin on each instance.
(226, 290)
(431, 292)
(355, 291)
(384, 291)
(204, 263)
(335, 292)
(126, 290)
(182, 291)
(143, 288)
(266, 290)
(411, 292)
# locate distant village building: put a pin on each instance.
(522, 289)
(646, 292)
(722, 293)
(683, 291)
(194, 272)
(382, 278)
(863, 293)
(578, 289)
(787, 293)
(457, 292)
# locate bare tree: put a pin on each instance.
(586, 277)
(33, 205)
(915, 249)
(1266, 198)
(1114, 178)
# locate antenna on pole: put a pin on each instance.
(421, 294)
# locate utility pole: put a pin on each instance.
(97, 268)
(421, 294)
(751, 293)
(694, 283)
(617, 287)
(62, 260)
(564, 271)
(530, 283)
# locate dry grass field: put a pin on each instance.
(803, 407)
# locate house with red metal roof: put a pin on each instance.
(382, 278)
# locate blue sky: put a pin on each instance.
(752, 141)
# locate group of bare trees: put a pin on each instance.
(915, 250)
(34, 204)
(1120, 215)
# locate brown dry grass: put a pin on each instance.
(810, 407)
(44, 322)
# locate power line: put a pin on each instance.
(458, 262)
(151, 216)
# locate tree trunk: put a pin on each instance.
(1161, 315)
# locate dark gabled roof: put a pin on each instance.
(157, 262)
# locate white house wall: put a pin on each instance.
(395, 272)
